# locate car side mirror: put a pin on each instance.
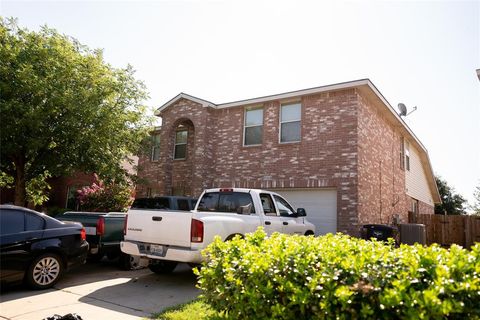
(301, 212)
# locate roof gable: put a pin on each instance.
(182, 95)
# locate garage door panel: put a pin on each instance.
(320, 204)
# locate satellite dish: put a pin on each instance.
(403, 109)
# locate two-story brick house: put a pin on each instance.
(341, 151)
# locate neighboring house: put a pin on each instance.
(340, 151)
(63, 192)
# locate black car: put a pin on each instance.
(37, 248)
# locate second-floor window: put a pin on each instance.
(402, 153)
(180, 151)
(155, 147)
(407, 156)
(290, 122)
(253, 132)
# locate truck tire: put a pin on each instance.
(162, 266)
(95, 258)
(127, 262)
(309, 233)
(230, 237)
(44, 271)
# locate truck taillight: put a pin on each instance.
(83, 234)
(125, 225)
(100, 226)
(226, 190)
(196, 231)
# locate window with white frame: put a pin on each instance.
(180, 151)
(407, 156)
(290, 122)
(402, 153)
(155, 147)
(414, 205)
(253, 127)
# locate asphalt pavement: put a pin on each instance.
(101, 291)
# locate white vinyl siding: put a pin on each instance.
(416, 180)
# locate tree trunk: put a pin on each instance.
(20, 183)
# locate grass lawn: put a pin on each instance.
(195, 310)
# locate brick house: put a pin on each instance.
(340, 151)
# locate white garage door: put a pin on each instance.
(320, 204)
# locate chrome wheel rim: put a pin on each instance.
(46, 271)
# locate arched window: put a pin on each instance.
(181, 137)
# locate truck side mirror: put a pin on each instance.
(301, 212)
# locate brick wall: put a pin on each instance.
(381, 183)
(195, 172)
(346, 144)
(326, 157)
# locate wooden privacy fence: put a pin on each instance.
(446, 230)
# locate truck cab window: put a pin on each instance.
(182, 204)
(285, 209)
(227, 202)
(267, 205)
(161, 203)
(208, 202)
(231, 202)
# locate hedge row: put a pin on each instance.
(339, 277)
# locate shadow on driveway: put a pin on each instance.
(102, 291)
(149, 292)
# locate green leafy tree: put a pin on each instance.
(452, 203)
(63, 108)
(476, 204)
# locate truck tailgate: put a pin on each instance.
(159, 227)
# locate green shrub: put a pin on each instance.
(339, 277)
(196, 309)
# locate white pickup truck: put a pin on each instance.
(162, 238)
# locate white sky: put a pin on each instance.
(420, 53)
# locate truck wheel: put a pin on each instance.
(128, 262)
(230, 237)
(309, 233)
(163, 266)
(44, 271)
(95, 257)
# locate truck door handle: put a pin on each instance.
(157, 218)
(268, 223)
(285, 223)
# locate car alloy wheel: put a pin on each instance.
(45, 271)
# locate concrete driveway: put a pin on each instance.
(102, 291)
